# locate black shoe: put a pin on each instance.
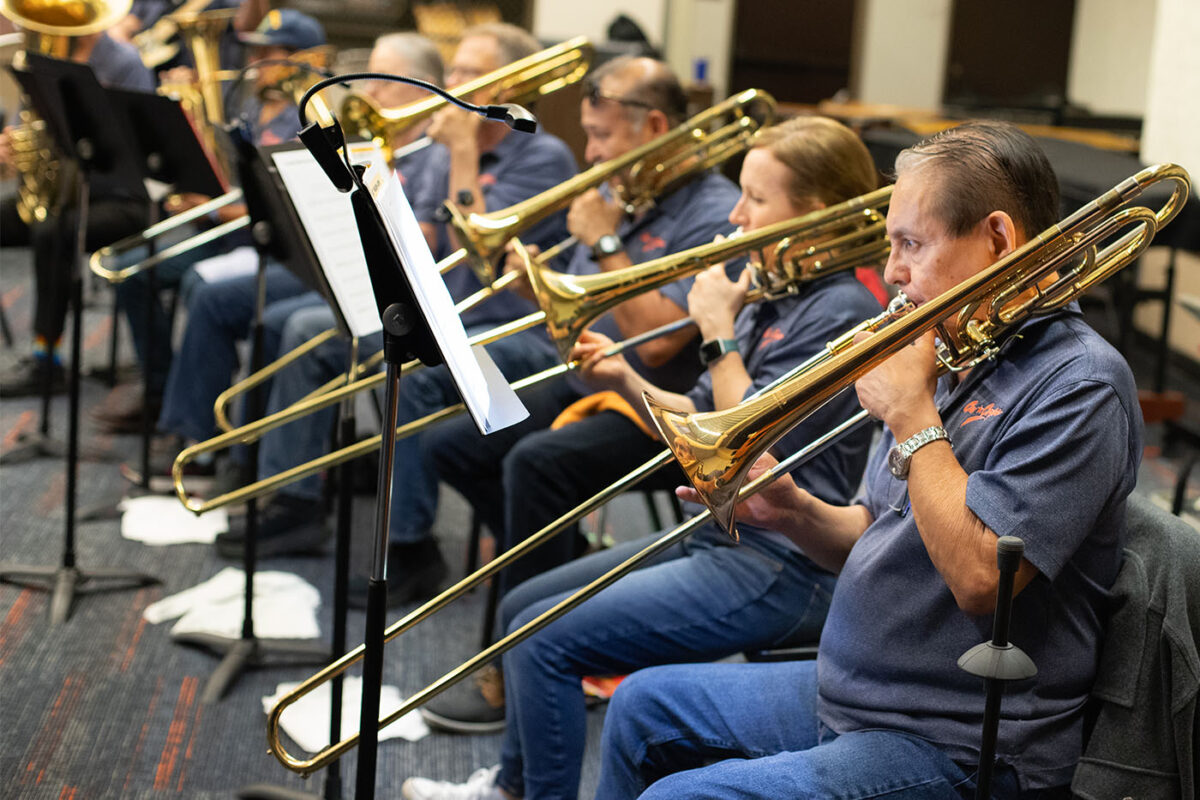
(27, 378)
(414, 572)
(475, 705)
(287, 526)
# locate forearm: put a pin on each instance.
(647, 311)
(633, 386)
(825, 532)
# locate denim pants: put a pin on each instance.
(743, 731)
(700, 600)
(219, 315)
(133, 296)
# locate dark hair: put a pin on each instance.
(827, 160)
(983, 167)
(657, 88)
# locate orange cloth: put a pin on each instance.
(593, 404)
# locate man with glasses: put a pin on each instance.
(627, 103)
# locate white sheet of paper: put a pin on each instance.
(328, 218)
(158, 520)
(307, 720)
(492, 404)
(237, 263)
(285, 606)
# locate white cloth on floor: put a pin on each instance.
(285, 606)
(307, 720)
(158, 520)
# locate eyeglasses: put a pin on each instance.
(594, 96)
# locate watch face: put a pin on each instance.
(608, 244)
(898, 462)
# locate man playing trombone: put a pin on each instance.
(702, 599)
(1040, 441)
(477, 165)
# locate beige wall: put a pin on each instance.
(1110, 55)
(903, 51)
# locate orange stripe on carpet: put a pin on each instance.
(24, 423)
(68, 793)
(55, 494)
(141, 740)
(11, 296)
(187, 754)
(98, 334)
(15, 623)
(51, 734)
(175, 734)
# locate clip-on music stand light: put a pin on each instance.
(80, 119)
(276, 233)
(171, 154)
(406, 333)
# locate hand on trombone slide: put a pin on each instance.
(515, 265)
(900, 389)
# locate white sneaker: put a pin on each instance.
(480, 786)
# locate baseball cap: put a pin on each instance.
(286, 27)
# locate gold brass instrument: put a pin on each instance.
(48, 27)
(522, 81)
(642, 175)
(717, 449)
(154, 43)
(294, 81)
(1040, 277)
(846, 235)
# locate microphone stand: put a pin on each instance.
(997, 661)
(406, 334)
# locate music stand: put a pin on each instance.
(79, 118)
(276, 234)
(171, 154)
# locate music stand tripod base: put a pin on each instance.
(63, 582)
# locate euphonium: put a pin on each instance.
(521, 81)
(154, 43)
(717, 449)
(49, 26)
(642, 175)
(1040, 277)
(840, 237)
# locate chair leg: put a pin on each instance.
(473, 545)
(1181, 485)
(652, 508)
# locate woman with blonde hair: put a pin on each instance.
(702, 599)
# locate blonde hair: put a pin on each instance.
(827, 160)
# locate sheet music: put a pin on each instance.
(328, 218)
(490, 400)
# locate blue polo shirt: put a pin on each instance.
(519, 167)
(117, 65)
(1050, 435)
(688, 217)
(773, 337)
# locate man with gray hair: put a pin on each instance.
(1050, 422)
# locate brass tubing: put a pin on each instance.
(677, 534)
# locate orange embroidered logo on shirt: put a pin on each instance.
(652, 242)
(487, 179)
(770, 335)
(978, 411)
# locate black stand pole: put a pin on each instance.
(997, 661)
(341, 582)
(65, 580)
(248, 650)
(397, 323)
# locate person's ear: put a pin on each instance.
(1001, 232)
(657, 122)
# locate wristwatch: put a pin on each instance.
(900, 456)
(607, 245)
(713, 349)
(464, 197)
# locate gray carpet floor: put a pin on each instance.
(108, 705)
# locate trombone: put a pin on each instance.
(1041, 277)
(847, 235)
(642, 175)
(534, 76)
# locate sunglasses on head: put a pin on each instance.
(594, 96)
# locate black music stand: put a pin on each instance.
(171, 154)
(277, 235)
(346, 436)
(79, 118)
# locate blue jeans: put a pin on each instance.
(133, 295)
(219, 315)
(701, 600)
(745, 731)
